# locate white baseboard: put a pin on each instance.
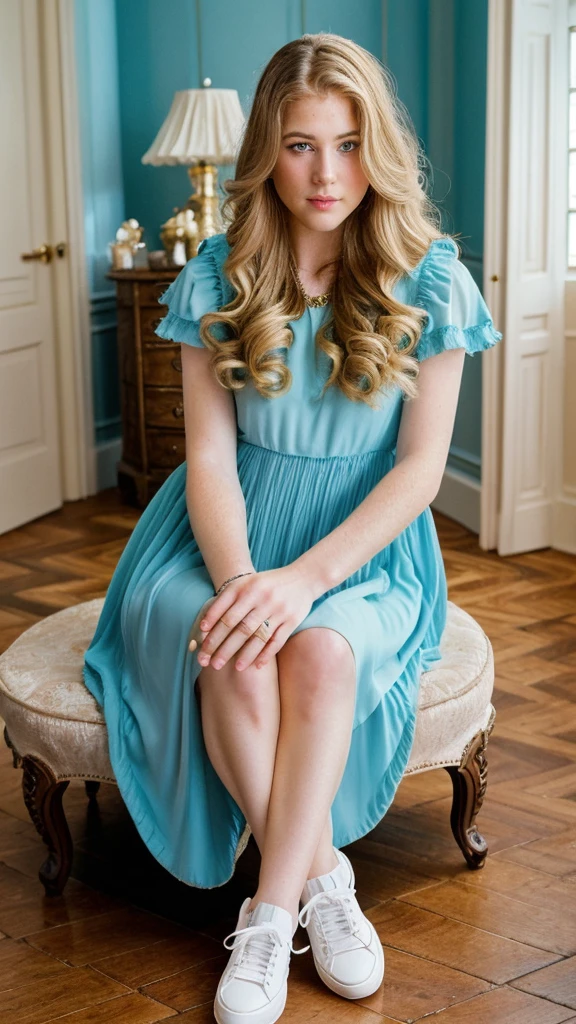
(459, 499)
(564, 524)
(107, 457)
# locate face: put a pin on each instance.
(319, 156)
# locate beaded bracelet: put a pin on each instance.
(250, 573)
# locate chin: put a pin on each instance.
(321, 220)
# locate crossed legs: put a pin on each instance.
(278, 737)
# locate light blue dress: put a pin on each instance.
(304, 465)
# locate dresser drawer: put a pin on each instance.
(150, 317)
(166, 449)
(163, 365)
(164, 408)
(149, 292)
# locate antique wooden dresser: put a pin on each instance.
(151, 386)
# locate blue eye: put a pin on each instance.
(347, 142)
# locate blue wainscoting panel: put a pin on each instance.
(97, 71)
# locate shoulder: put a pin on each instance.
(209, 263)
(201, 284)
(457, 314)
(214, 247)
(438, 263)
(442, 278)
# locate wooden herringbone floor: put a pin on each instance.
(126, 943)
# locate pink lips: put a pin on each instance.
(323, 202)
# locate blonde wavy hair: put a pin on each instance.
(385, 237)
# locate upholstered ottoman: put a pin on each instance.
(57, 732)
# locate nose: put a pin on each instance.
(324, 171)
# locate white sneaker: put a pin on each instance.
(254, 986)
(346, 948)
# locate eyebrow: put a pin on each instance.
(303, 135)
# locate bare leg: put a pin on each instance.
(324, 859)
(240, 717)
(317, 693)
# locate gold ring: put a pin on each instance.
(257, 633)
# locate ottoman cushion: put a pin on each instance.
(51, 714)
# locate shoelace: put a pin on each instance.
(258, 950)
(337, 917)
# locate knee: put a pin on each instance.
(250, 692)
(315, 668)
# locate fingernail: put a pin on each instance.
(217, 664)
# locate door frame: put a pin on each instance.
(70, 296)
(493, 286)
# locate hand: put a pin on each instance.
(283, 596)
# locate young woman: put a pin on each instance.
(262, 639)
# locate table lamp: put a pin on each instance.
(202, 129)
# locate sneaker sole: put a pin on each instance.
(363, 988)
(267, 1015)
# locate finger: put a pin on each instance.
(222, 603)
(231, 647)
(236, 638)
(274, 644)
(249, 653)
(194, 643)
(228, 640)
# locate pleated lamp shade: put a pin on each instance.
(202, 124)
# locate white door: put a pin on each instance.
(532, 278)
(30, 482)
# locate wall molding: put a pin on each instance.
(459, 499)
(564, 522)
(108, 454)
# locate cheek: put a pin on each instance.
(284, 172)
(357, 179)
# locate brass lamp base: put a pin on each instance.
(204, 199)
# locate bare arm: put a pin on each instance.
(214, 497)
(403, 493)
(284, 596)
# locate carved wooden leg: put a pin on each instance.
(469, 784)
(43, 797)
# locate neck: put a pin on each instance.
(312, 250)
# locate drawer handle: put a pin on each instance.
(177, 364)
(178, 410)
(174, 447)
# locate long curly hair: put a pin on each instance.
(384, 238)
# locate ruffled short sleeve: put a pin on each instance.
(458, 316)
(198, 289)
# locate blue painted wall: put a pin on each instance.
(166, 47)
(103, 188)
(437, 53)
(134, 54)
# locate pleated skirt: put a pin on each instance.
(138, 667)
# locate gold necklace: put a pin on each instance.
(311, 300)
